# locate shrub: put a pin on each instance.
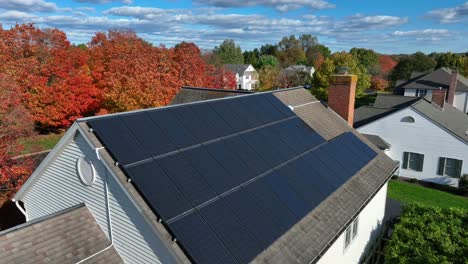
(395, 177)
(463, 184)
(413, 180)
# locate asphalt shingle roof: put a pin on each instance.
(67, 236)
(306, 240)
(237, 68)
(195, 94)
(434, 80)
(378, 141)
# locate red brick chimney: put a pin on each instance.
(452, 86)
(438, 97)
(341, 95)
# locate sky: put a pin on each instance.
(391, 27)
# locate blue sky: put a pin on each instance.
(397, 26)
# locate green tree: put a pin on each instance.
(268, 60)
(368, 58)
(290, 51)
(418, 61)
(269, 49)
(448, 59)
(342, 59)
(229, 52)
(252, 57)
(268, 77)
(429, 235)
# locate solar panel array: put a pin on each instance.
(229, 177)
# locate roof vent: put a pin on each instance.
(86, 170)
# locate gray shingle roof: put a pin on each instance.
(378, 141)
(195, 94)
(67, 236)
(434, 80)
(451, 119)
(237, 68)
(311, 236)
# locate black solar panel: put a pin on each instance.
(225, 175)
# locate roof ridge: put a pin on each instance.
(216, 89)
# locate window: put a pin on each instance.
(351, 232)
(450, 167)
(407, 119)
(413, 161)
(421, 92)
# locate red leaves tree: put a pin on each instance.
(15, 122)
(378, 83)
(220, 78)
(386, 63)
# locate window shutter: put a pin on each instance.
(440, 170)
(459, 168)
(405, 160)
(420, 162)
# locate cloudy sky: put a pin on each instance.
(387, 26)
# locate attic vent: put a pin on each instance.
(86, 170)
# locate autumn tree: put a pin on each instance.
(290, 51)
(220, 78)
(379, 83)
(191, 70)
(268, 77)
(386, 63)
(229, 52)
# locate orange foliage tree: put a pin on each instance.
(378, 83)
(386, 63)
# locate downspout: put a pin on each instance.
(22, 210)
(109, 219)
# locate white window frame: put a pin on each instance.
(408, 161)
(351, 233)
(444, 168)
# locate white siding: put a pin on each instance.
(60, 187)
(410, 92)
(248, 80)
(369, 227)
(423, 137)
(461, 101)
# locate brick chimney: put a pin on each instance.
(341, 95)
(452, 86)
(438, 97)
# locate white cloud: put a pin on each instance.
(424, 32)
(450, 15)
(105, 1)
(280, 5)
(17, 16)
(28, 5)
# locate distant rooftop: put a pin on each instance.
(433, 80)
(194, 94)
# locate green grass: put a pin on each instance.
(407, 192)
(39, 143)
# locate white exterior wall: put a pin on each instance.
(369, 227)
(248, 80)
(60, 187)
(461, 101)
(422, 136)
(410, 92)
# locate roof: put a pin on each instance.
(237, 162)
(194, 94)
(434, 80)
(378, 141)
(67, 236)
(237, 68)
(298, 68)
(451, 119)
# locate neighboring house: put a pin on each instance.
(246, 76)
(301, 68)
(422, 84)
(428, 137)
(195, 94)
(270, 177)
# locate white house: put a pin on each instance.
(422, 84)
(428, 138)
(281, 179)
(301, 68)
(246, 76)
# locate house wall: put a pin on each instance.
(461, 101)
(410, 92)
(249, 79)
(60, 187)
(423, 137)
(369, 227)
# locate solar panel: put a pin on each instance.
(211, 119)
(148, 133)
(252, 216)
(200, 241)
(231, 231)
(297, 135)
(170, 124)
(314, 164)
(251, 158)
(187, 179)
(326, 158)
(264, 111)
(213, 173)
(119, 140)
(158, 189)
(280, 106)
(232, 113)
(281, 188)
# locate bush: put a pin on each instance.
(463, 184)
(413, 180)
(429, 235)
(395, 177)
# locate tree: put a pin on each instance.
(342, 59)
(220, 78)
(378, 83)
(290, 51)
(229, 52)
(15, 122)
(252, 57)
(418, 61)
(429, 235)
(269, 49)
(267, 61)
(448, 59)
(268, 77)
(190, 67)
(367, 57)
(386, 63)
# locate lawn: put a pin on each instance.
(39, 143)
(407, 192)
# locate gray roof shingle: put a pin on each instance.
(195, 94)
(378, 141)
(434, 80)
(67, 236)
